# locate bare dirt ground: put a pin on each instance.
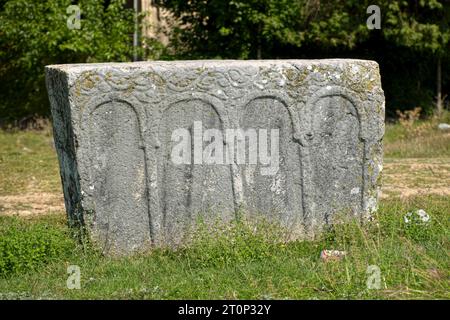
(401, 178)
(31, 204)
(416, 176)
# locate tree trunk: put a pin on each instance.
(439, 102)
(136, 28)
(259, 46)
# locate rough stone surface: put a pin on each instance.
(113, 124)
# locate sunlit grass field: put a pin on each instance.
(36, 246)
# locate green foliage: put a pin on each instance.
(238, 29)
(26, 247)
(34, 33)
(256, 29)
(423, 25)
(236, 243)
(241, 262)
(413, 34)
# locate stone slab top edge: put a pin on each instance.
(75, 68)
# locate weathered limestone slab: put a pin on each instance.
(114, 127)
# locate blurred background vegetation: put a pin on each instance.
(412, 46)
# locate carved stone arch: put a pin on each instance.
(330, 91)
(277, 194)
(201, 184)
(169, 101)
(283, 98)
(334, 155)
(98, 100)
(117, 170)
(94, 103)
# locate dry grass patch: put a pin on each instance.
(416, 176)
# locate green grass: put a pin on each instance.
(28, 163)
(240, 263)
(27, 246)
(422, 140)
(246, 264)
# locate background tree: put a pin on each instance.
(412, 47)
(412, 38)
(242, 29)
(423, 26)
(34, 33)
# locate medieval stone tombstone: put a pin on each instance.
(147, 148)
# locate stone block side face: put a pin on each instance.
(114, 124)
(65, 143)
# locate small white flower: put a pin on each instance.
(423, 215)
